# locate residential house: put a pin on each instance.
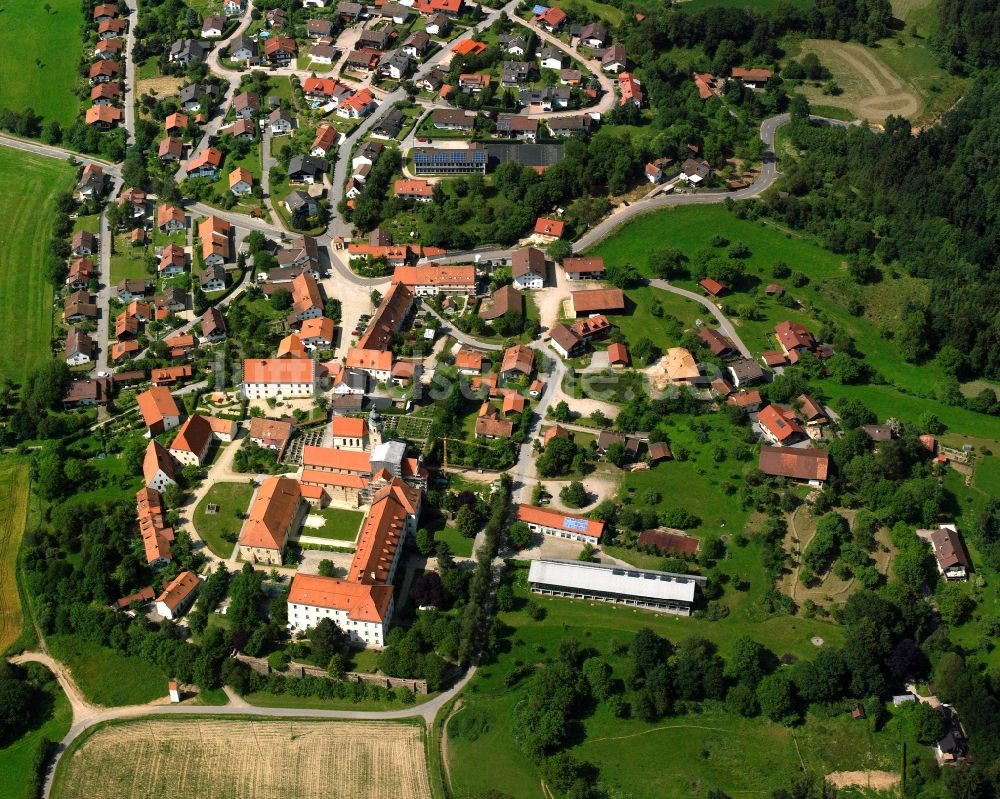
(273, 434)
(594, 35)
(276, 18)
(81, 270)
(570, 125)
(630, 90)
(546, 98)
(614, 59)
(518, 361)
(716, 342)
(127, 290)
(364, 59)
(103, 72)
(102, 117)
(172, 261)
(680, 367)
(233, 8)
(191, 444)
(319, 28)
(396, 65)
(413, 189)
(779, 425)
(170, 218)
(83, 243)
(416, 44)
(317, 333)
(489, 424)
(87, 393)
(159, 410)
(453, 119)
(745, 372)
(79, 347)
(551, 19)
(240, 181)
(243, 49)
(325, 140)
(570, 77)
(528, 268)
(438, 25)
(78, 307)
(92, 183)
(517, 126)
(389, 124)
(300, 203)
(105, 94)
(432, 81)
(213, 325)
(108, 48)
(214, 233)
(752, 78)
(514, 43)
(206, 164)
(473, 82)
(504, 300)
(178, 595)
(397, 12)
(197, 96)
(428, 280)
(281, 121)
(358, 105)
(247, 105)
(105, 12)
(213, 278)
(378, 39)
(171, 299)
(949, 550)
(793, 336)
(279, 50)
(515, 73)
(307, 169)
(213, 26)
(175, 123)
(549, 229)
(565, 341)
(550, 58)
(158, 467)
(170, 149)
(589, 268)
(694, 171)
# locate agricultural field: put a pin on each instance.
(42, 48)
(229, 758)
(233, 500)
(25, 229)
(13, 514)
(483, 753)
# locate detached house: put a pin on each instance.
(79, 347)
(214, 234)
(279, 50)
(103, 117)
(172, 261)
(551, 19)
(184, 51)
(206, 164)
(243, 49)
(307, 169)
(213, 26)
(591, 268)
(528, 268)
(950, 554)
(281, 121)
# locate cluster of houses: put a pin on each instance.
(105, 74)
(709, 85)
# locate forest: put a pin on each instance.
(921, 202)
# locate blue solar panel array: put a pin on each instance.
(577, 525)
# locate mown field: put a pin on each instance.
(240, 759)
(40, 48)
(13, 512)
(27, 205)
(692, 753)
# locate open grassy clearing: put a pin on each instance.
(491, 758)
(16, 760)
(233, 500)
(230, 758)
(902, 75)
(640, 322)
(987, 476)
(27, 206)
(104, 676)
(13, 513)
(39, 55)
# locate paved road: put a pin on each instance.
(104, 293)
(59, 153)
(130, 79)
(725, 325)
(458, 335)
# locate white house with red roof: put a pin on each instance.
(561, 525)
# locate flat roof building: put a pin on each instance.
(660, 591)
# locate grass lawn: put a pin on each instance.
(25, 229)
(112, 480)
(88, 222)
(341, 524)
(641, 323)
(233, 500)
(39, 56)
(461, 546)
(16, 759)
(13, 514)
(128, 261)
(104, 676)
(987, 477)
(744, 755)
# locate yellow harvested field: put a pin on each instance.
(13, 512)
(237, 759)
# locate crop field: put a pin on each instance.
(25, 228)
(40, 46)
(240, 759)
(13, 512)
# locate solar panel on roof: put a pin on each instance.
(577, 525)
